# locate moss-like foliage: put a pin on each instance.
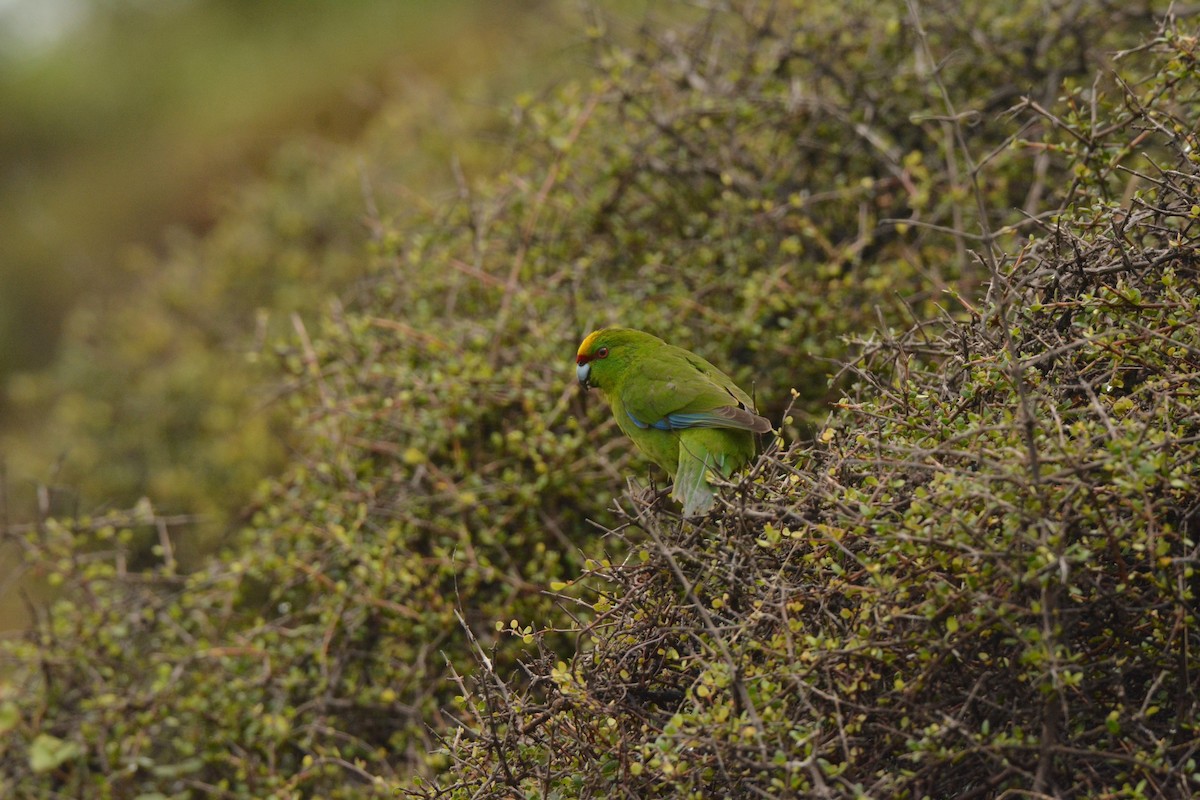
(934, 596)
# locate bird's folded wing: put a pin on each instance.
(722, 417)
(686, 398)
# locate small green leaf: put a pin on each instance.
(10, 715)
(48, 752)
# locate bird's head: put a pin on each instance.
(604, 353)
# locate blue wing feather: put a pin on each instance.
(681, 421)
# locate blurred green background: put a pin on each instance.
(120, 117)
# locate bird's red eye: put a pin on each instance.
(602, 352)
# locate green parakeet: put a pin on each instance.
(680, 410)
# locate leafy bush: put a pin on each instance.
(979, 581)
(728, 186)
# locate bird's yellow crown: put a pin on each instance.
(586, 346)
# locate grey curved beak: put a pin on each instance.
(583, 372)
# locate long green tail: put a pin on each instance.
(692, 489)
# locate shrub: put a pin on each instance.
(980, 580)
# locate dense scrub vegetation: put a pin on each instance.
(981, 579)
(968, 227)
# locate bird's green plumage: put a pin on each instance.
(685, 414)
